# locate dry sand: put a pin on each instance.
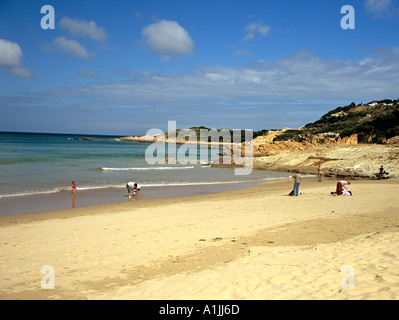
(254, 243)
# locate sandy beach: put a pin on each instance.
(254, 243)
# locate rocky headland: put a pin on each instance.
(352, 142)
(337, 157)
(342, 158)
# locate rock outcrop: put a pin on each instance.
(394, 140)
(267, 145)
(360, 161)
(339, 157)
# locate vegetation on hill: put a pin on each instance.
(372, 123)
(195, 133)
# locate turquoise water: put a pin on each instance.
(32, 163)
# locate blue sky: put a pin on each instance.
(125, 67)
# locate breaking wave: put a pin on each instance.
(146, 168)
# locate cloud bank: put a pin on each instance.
(300, 76)
(292, 91)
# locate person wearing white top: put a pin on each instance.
(341, 186)
(135, 188)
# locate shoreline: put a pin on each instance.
(153, 202)
(34, 204)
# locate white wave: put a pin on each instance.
(56, 190)
(32, 193)
(104, 187)
(146, 168)
(177, 184)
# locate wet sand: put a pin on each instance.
(85, 198)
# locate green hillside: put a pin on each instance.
(372, 123)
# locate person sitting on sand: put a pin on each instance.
(346, 192)
(382, 174)
(340, 186)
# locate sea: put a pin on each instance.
(43, 163)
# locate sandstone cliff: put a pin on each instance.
(337, 157)
(360, 161)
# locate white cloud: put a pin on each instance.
(252, 29)
(21, 72)
(83, 28)
(72, 47)
(168, 38)
(10, 57)
(381, 8)
(10, 53)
